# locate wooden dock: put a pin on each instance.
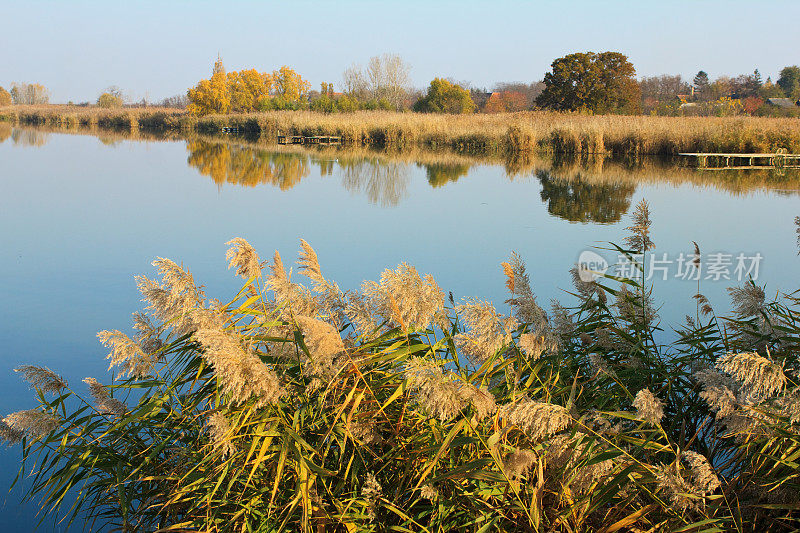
(303, 139)
(718, 161)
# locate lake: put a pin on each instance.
(81, 214)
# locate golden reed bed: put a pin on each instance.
(479, 134)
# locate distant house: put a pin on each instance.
(785, 103)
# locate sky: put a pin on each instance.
(156, 49)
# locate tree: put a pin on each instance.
(108, 100)
(289, 85)
(5, 97)
(588, 81)
(660, 93)
(770, 90)
(445, 97)
(789, 81)
(248, 90)
(385, 78)
(700, 82)
(29, 94)
(211, 96)
(506, 101)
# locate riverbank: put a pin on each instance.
(479, 134)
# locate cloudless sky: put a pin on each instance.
(159, 48)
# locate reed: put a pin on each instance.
(477, 134)
(392, 407)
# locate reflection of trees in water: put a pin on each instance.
(384, 182)
(240, 165)
(440, 174)
(5, 131)
(29, 137)
(578, 201)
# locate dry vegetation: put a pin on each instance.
(481, 134)
(392, 407)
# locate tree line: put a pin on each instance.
(588, 82)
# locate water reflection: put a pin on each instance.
(579, 201)
(239, 165)
(383, 182)
(440, 174)
(5, 131)
(591, 191)
(28, 137)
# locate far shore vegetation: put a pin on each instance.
(589, 103)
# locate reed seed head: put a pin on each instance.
(103, 401)
(517, 463)
(219, 429)
(648, 407)
(241, 374)
(243, 257)
(761, 377)
(537, 419)
(485, 334)
(127, 354)
(748, 300)
(10, 435)
(428, 492)
(703, 476)
(437, 394)
(639, 240)
(42, 378)
(522, 298)
(33, 422)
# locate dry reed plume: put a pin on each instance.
(387, 407)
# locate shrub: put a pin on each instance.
(445, 97)
(108, 101)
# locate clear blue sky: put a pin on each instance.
(161, 48)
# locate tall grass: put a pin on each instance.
(481, 134)
(393, 407)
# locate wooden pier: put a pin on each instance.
(303, 139)
(719, 161)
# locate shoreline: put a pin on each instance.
(508, 134)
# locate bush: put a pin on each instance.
(109, 101)
(300, 409)
(323, 104)
(445, 97)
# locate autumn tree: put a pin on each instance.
(599, 83)
(211, 96)
(29, 94)
(249, 90)
(445, 97)
(789, 81)
(5, 97)
(506, 101)
(289, 85)
(109, 100)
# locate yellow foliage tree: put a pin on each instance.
(245, 91)
(248, 89)
(290, 85)
(211, 96)
(5, 97)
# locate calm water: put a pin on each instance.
(80, 215)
